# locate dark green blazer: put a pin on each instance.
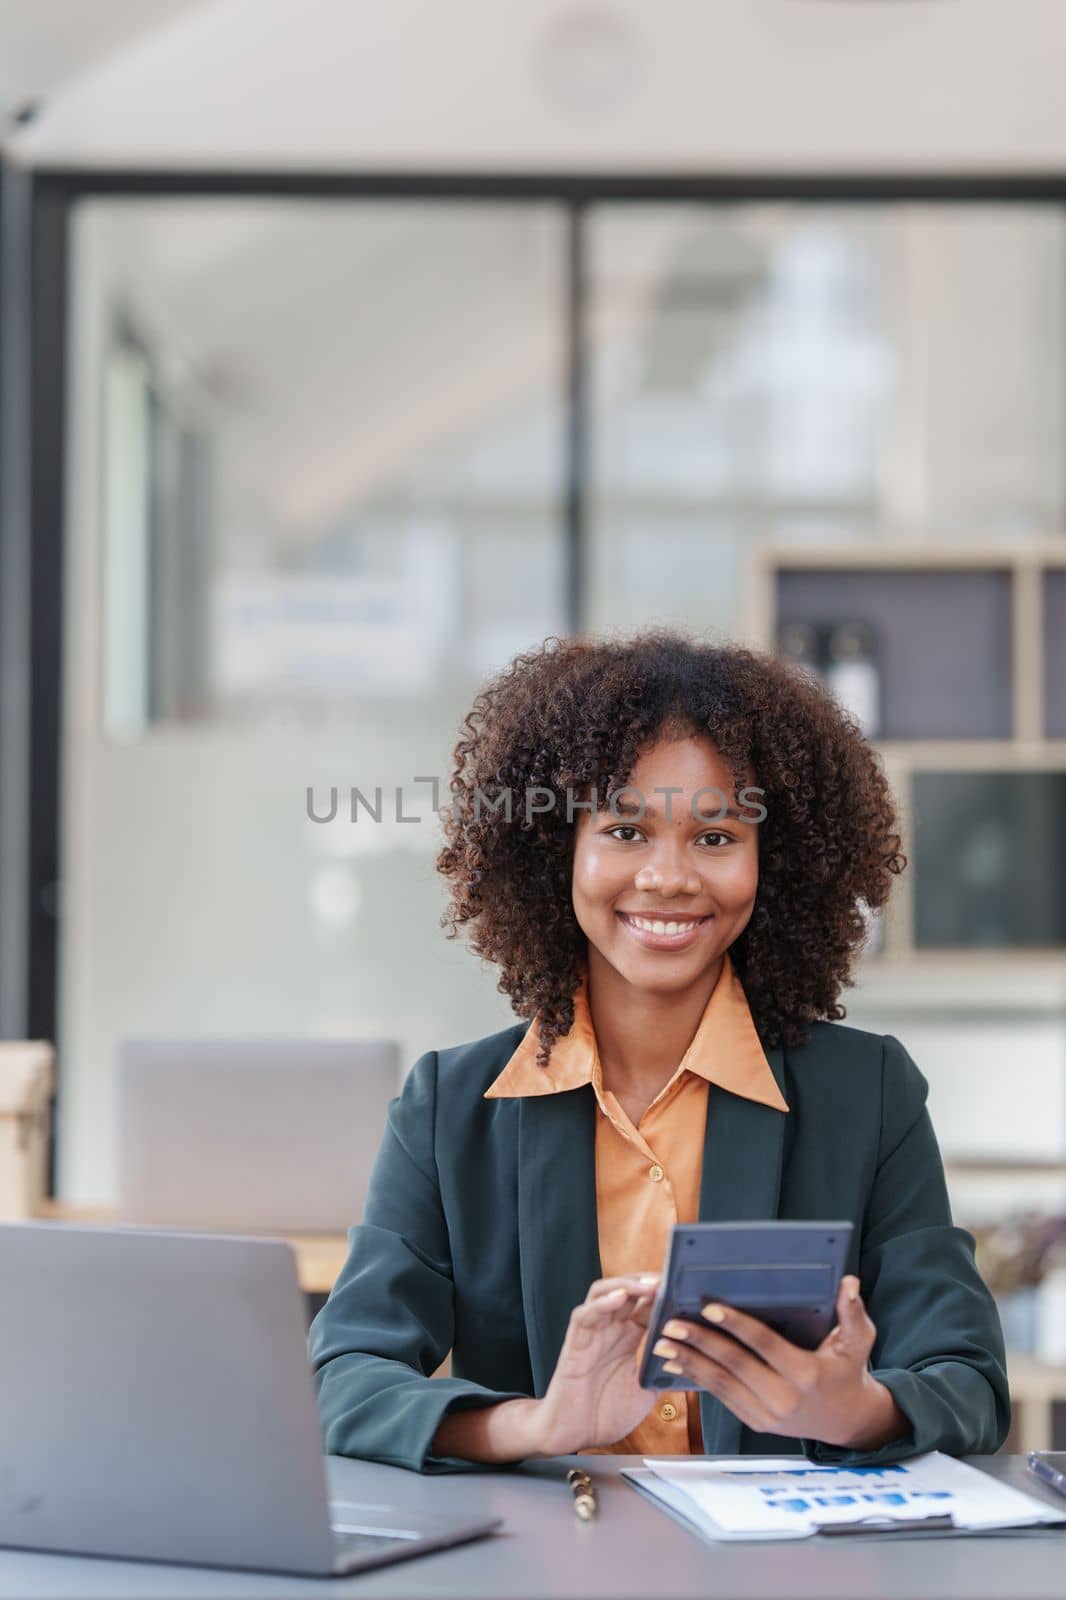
(479, 1237)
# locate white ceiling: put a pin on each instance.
(542, 84)
(44, 44)
(335, 348)
(300, 327)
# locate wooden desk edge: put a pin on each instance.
(319, 1256)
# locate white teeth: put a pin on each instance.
(671, 929)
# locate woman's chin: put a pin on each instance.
(658, 973)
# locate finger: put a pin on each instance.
(644, 1282)
(777, 1352)
(605, 1318)
(725, 1386)
(614, 1304)
(599, 1304)
(855, 1330)
(642, 1309)
(774, 1392)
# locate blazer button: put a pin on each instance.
(668, 1412)
(656, 1173)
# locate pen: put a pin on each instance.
(584, 1493)
(1045, 1470)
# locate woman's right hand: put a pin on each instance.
(594, 1398)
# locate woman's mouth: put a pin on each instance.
(663, 933)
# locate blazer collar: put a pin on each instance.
(558, 1237)
(725, 1049)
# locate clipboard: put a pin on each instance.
(877, 1525)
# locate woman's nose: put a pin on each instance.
(668, 874)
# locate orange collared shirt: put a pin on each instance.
(648, 1176)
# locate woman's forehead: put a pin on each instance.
(687, 760)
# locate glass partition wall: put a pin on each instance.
(316, 461)
(330, 461)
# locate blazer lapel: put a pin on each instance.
(741, 1182)
(558, 1238)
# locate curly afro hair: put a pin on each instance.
(578, 713)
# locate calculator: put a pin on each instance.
(785, 1273)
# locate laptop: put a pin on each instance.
(157, 1403)
(225, 1134)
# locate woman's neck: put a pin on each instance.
(642, 1035)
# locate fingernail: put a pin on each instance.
(714, 1313)
(676, 1330)
(671, 1366)
(664, 1348)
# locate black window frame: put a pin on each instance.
(55, 190)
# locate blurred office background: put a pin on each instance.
(349, 349)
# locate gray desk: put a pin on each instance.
(632, 1550)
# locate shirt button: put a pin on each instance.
(668, 1412)
(656, 1173)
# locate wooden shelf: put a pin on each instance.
(938, 552)
(997, 677)
(976, 755)
(977, 977)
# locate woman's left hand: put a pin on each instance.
(774, 1386)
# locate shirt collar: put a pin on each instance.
(725, 1050)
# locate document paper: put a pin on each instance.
(751, 1497)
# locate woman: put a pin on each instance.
(666, 847)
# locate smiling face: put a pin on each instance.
(661, 898)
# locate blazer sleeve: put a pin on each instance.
(939, 1345)
(389, 1322)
